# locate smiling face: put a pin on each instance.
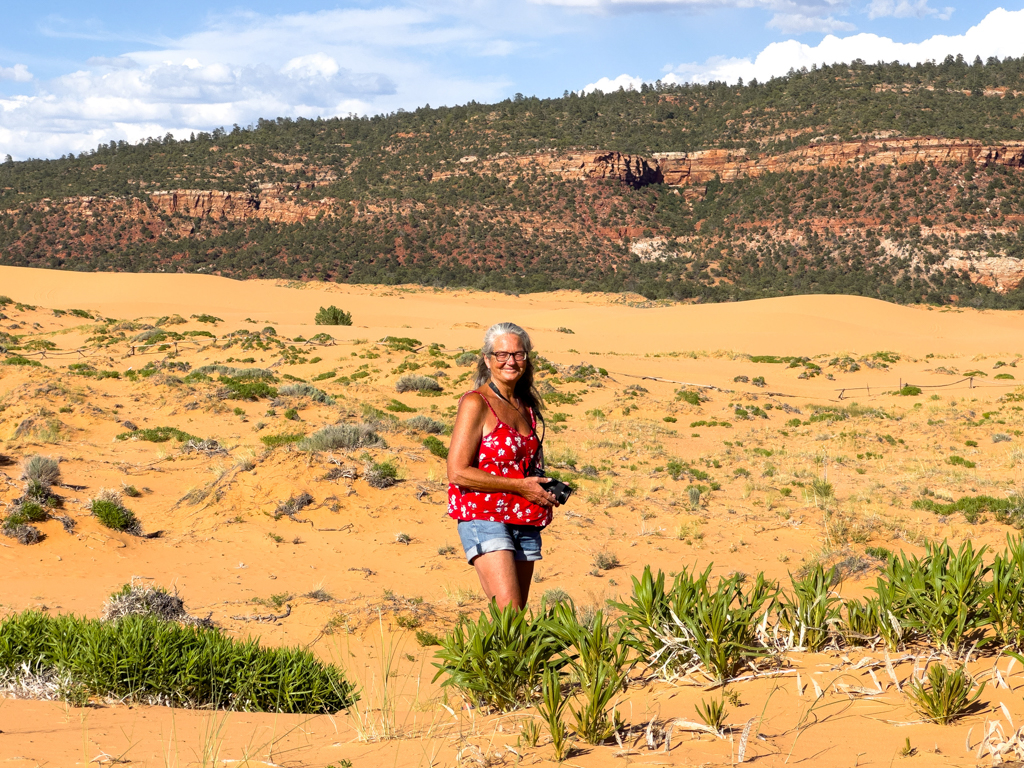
(511, 370)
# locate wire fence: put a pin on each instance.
(143, 349)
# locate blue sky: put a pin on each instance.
(75, 74)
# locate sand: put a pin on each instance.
(226, 554)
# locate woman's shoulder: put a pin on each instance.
(473, 404)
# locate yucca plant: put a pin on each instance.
(595, 720)
(646, 612)
(715, 629)
(596, 658)
(860, 622)
(498, 660)
(1006, 604)
(946, 695)
(712, 713)
(947, 594)
(813, 610)
(551, 707)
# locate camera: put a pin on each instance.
(558, 489)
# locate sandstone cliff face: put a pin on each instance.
(633, 170)
(272, 203)
(690, 169)
(1000, 273)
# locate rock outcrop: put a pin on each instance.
(273, 203)
(691, 169)
(1000, 273)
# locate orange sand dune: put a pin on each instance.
(752, 452)
(795, 325)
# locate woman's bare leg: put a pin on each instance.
(503, 579)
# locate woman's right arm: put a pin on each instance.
(462, 453)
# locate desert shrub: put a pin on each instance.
(273, 441)
(342, 437)
(605, 560)
(961, 462)
(413, 383)
(332, 316)
(381, 474)
(144, 600)
(425, 424)
(435, 446)
(145, 659)
(5, 300)
(247, 389)
(397, 406)
(467, 358)
(306, 390)
(111, 513)
(690, 396)
(204, 318)
(19, 360)
(41, 469)
(13, 528)
(236, 373)
(158, 435)
(499, 659)
(909, 391)
(401, 343)
(1001, 437)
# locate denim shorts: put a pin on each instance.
(482, 536)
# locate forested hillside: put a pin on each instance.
(905, 183)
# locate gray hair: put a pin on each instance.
(524, 388)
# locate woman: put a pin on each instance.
(492, 462)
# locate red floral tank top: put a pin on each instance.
(506, 453)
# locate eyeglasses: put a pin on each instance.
(502, 357)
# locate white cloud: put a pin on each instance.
(905, 9)
(245, 66)
(18, 73)
(799, 23)
(998, 34)
(628, 82)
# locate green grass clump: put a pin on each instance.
(972, 507)
(960, 461)
(435, 446)
(273, 441)
(159, 435)
(397, 406)
(247, 389)
(332, 316)
(114, 515)
(342, 437)
(205, 318)
(689, 396)
(413, 383)
(19, 360)
(144, 659)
